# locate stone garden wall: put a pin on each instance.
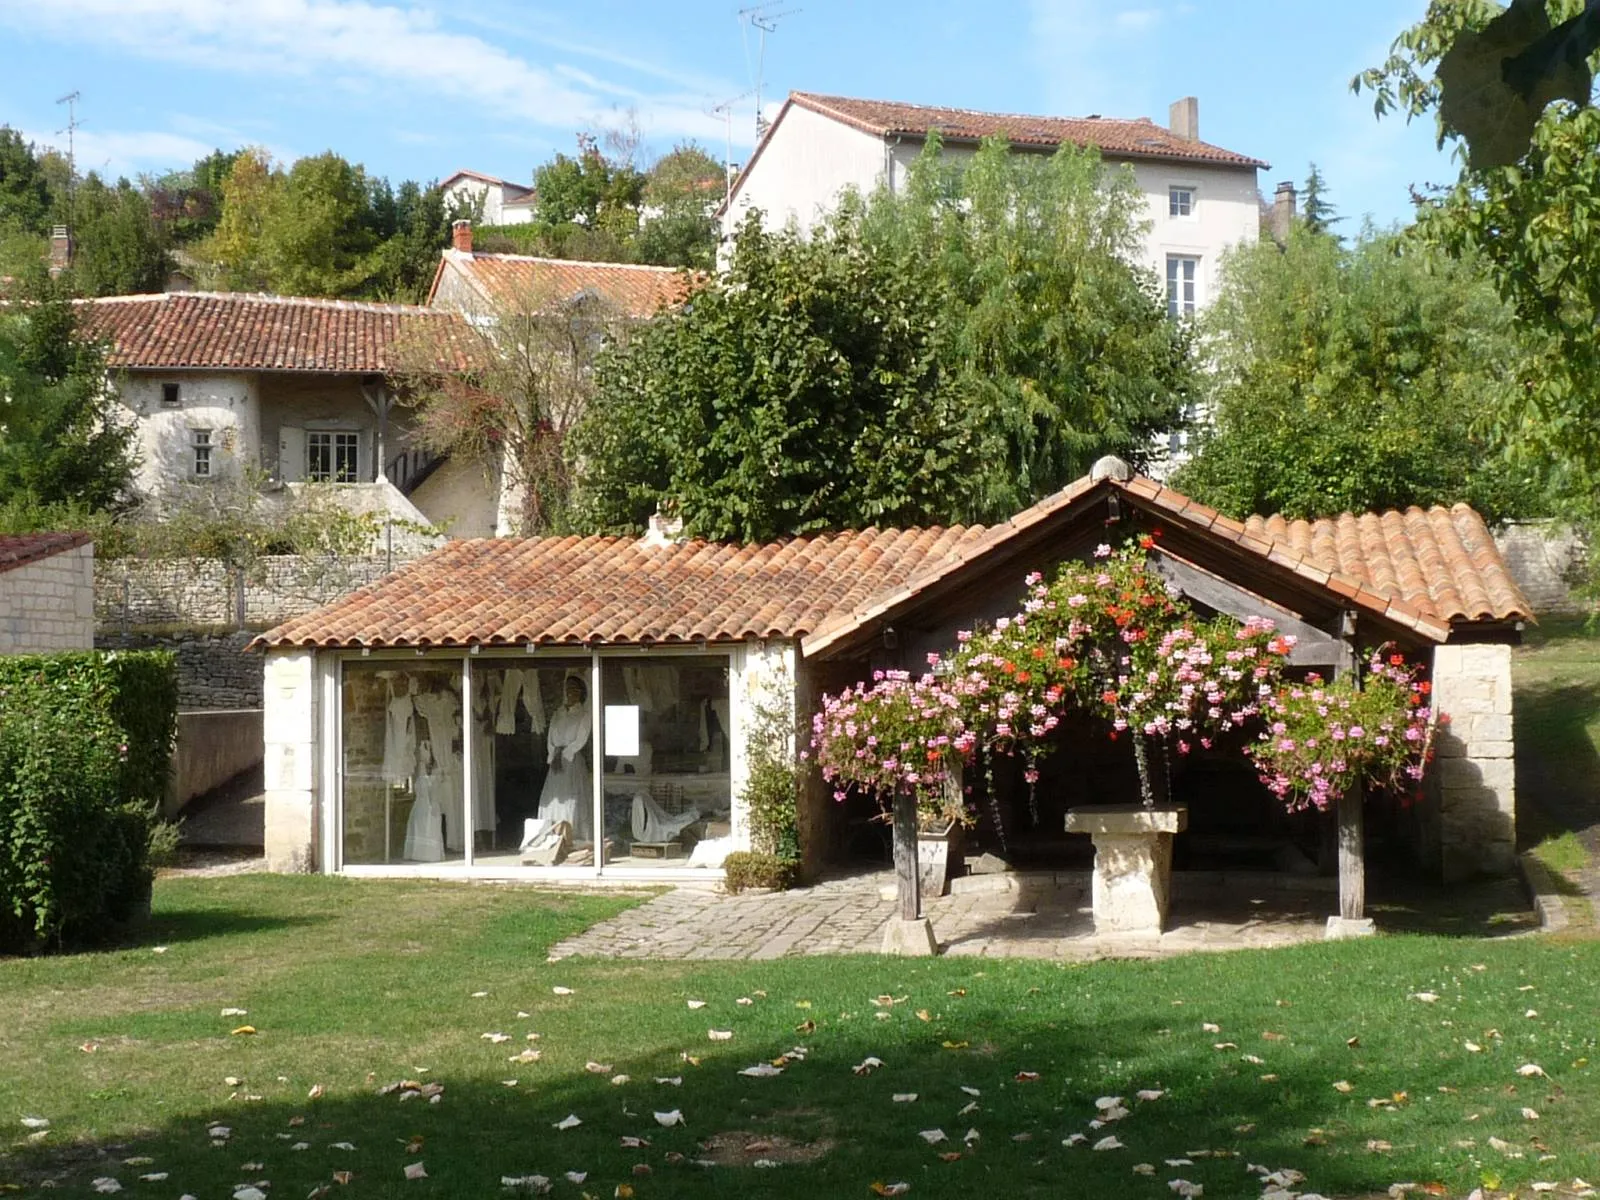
(207, 612)
(1475, 771)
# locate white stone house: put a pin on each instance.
(46, 593)
(503, 202)
(1200, 199)
(288, 389)
(445, 693)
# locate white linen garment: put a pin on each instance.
(568, 793)
(423, 842)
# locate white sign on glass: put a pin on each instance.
(622, 730)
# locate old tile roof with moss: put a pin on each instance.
(239, 331)
(525, 282)
(1116, 137)
(19, 549)
(1429, 570)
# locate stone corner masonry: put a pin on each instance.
(1475, 771)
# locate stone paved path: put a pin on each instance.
(1040, 916)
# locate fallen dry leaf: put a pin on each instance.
(932, 1136)
(867, 1065)
(1425, 997)
(1378, 1146)
(948, 1045)
(1150, 1094)
(235, 1012)
(570, 1121)
(595, 1068)
(1530, 1114)
(675, 1117)
(343, 1177)
(890, 1189)
(806, 1026)
(1529, 1070)
(561, 991)
(1109, 1143)
(904, 1097)
(243, 1031)
(1345, 1086)
(720, 1035)
(1026, 1076)
(762, 1071)
(1144, 1168)
(744, 1002)
(415, 1171)
(1210, 1027)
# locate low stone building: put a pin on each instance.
(46, 593)
(618, 685)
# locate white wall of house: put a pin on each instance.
(810, 159)
(805, 164)
(48, 605)
(495, 210)
(462, 497)
(224, 406)
(763, 676)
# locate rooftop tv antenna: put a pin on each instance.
(766, 21)
(725, 111)
(71, 101)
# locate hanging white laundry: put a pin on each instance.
(505, 720)
(652, 823)
(399, 735)
(440, 709)
(484, 819)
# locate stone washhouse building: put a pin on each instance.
(446, 720)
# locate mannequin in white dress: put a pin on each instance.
(568, 790)
(399, 730)
(423, 841)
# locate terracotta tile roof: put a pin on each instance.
(236, 331)
(18, 549)
(1428, 571)
(517, 280)
(495, 180)
(1116, 137)
(567, 591)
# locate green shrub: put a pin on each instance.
(770, 791)
(75, 856)
(85, 750)
(751, 869)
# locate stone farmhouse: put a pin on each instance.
(293, 390)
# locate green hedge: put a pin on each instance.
(85, 750)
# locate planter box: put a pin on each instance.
(939, 856)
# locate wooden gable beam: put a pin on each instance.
(1314, 647)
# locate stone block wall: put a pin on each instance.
(1545, 559)
(290, 732)
(1475, 772)
(48, 604)
(204, 593)
(214, 669)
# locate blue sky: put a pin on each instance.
(418, 88)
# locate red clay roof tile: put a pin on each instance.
(18, 549)
(522, 281)
(236, 331)
(1116, 138)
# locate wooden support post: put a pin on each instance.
(1352, 855)
(1352, 828)
(905, 855)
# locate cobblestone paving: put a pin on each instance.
(1029, 917)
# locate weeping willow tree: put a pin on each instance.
(1058, 347)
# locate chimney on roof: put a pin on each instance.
(663, 531)
(60, 250)
(461, 236)
(1183, 118)
(1283, 212)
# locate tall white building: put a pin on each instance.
(1201, 198)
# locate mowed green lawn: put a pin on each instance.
(353, 985)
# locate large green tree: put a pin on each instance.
(118, 249)
(1058, 349)
(1527, 200)
(951, 354)
(681, 193)
(1355, 378)
(799, 391)
(63, 441)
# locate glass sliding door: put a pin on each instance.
(532, 787)
(401, 769)
(666, 727)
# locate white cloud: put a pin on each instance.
(127, 152)
(1137, 20)
(352, 45)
